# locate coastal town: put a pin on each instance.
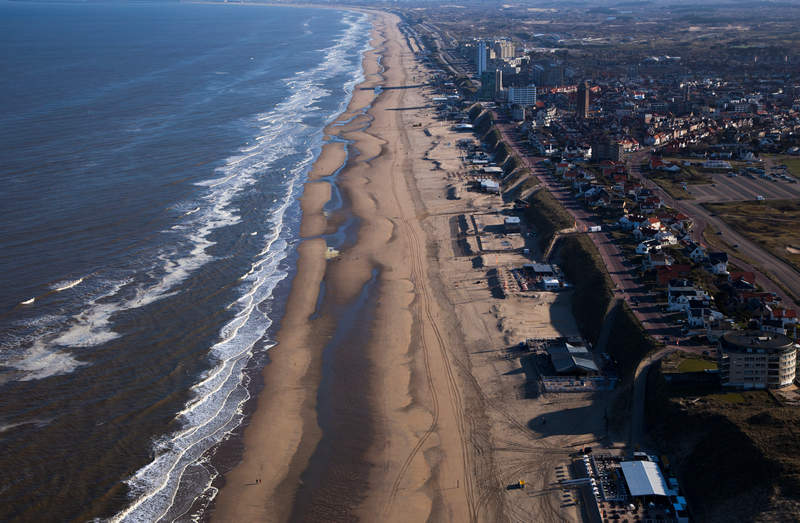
(642, 163)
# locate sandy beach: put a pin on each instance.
(454, 414)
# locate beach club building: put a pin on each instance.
(646, 482)
(571, 360)
(489, 186)
(512, 225)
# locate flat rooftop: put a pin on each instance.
(753, 339)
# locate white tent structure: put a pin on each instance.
(645, 479)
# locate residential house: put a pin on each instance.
(631, 188)
(747, 276)
(588, 190)
(753, 301)
(583, 177)
(666, 238)
(655, 260)
(680, 293)
(681, 220)
(702, 317)
(656, 161)
(571, 176)
(618, 204)
(700, 302)
(757, 305)
(611, 167)
(787, 317)
(563, 167)
(645, 233)
(768, 325)
(602, 199)
(648, 206)
(680, 284)
(677, 221)
(741, 286)
(672, 272)
(696, 251)
(718, 262)
(646, 246)
(630, 221)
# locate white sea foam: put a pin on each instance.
(37, 422)
(67, 285)
(46, 353)
(92, 326)
(41, 361)
(216, 405)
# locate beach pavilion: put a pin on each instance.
(644, 480)
(569, 359)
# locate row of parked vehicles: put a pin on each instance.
(750, 172)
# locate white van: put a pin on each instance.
(759, 198)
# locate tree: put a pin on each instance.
(721, 299)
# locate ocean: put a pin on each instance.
(151, 157)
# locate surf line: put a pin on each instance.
(242, 159)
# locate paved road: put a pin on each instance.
(639, 392)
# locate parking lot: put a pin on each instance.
(742, 187)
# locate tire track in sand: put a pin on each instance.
(427, 323)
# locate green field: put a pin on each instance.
(693, 365)
(792, 161)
